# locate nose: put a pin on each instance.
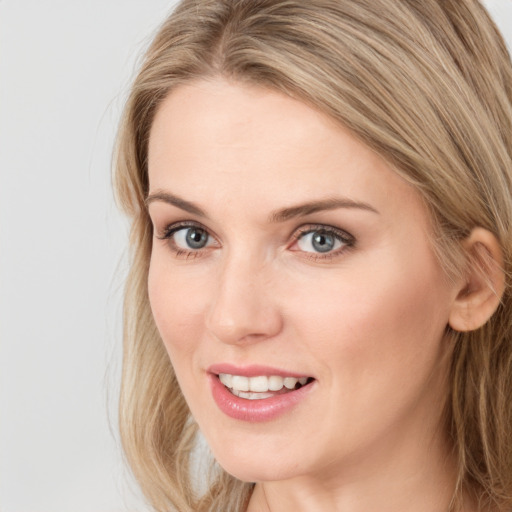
(243, 308)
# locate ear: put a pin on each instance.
(480, 296)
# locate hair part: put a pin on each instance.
(428, 86)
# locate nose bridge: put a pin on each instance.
(242, 308)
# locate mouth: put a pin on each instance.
(262, 386)
(257, 393)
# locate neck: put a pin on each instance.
(404, 476)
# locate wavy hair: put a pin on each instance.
(428, 85)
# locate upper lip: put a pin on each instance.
(253, 370)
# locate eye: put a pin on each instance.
(318, 241)
(187, 240)
(191, 238)
(321, 241)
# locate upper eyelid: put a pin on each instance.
(308, 228)
(176, 226)
(172, 227)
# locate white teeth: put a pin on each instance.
(240, 383)
(290, 382)
(242, 386)
(251, 396)
(259, 384)
(275, 383)
(226, 379)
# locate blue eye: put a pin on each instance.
(323, 241)
(187, 238)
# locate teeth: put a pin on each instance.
(275, 383)
(290, 382)
(251, 396)
(226, 379)
(240, 383)
(258, 384)
(242, 386)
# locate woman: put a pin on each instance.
(322, 239)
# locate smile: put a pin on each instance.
(257, 393)
(262, 386)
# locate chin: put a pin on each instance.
(256, 465)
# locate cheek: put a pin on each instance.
(177, 302)
(389, 320)
(378, 342)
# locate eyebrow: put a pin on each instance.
(173, 200)
(318, 206)
(277, 216)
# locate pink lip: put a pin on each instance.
(251, 370)
(254, 410)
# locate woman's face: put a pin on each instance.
(287, 254)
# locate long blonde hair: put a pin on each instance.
(428, 85)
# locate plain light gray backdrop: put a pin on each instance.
(65, 66)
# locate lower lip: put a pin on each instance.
(265, 409)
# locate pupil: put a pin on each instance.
(323, 242)
(196, 238)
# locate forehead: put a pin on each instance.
(215, 141)
(237, 120)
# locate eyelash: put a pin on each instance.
(171, 229)
(346, 239)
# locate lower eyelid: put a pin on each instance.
(187, 255)
(316, 256)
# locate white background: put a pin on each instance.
(64, 69)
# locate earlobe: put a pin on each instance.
(481, 294)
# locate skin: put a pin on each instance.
(367, 321)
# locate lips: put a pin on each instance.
(257, 393)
